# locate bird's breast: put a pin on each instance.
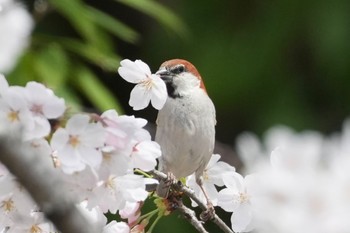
(186, 134)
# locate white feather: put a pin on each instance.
(186, 133)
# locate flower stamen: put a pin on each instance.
(13, 116)
(74, 140)
(148, 83)
(7, 205)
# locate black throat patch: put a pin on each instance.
(171, 91)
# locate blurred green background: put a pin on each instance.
(263, 62)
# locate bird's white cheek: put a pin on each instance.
(186, 83)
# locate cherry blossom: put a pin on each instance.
(113, 193)
(212, 176)
(116, 227)
(150, 87)
(113, 163)
(144, 155)
(14, 112)
(124, 132)
(33, 224)
(79, 144)
(131, 211)
(93, 215)
(237, 198)
(301, 179)
(81, 183)
(15, 203)
(43, 105)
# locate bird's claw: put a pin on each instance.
(170, 180)
(208, 214)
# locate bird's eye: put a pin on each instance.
(178, 69)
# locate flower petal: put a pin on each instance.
(91, 156)
(159, 92)
(133, 72)
(139, 97)
(132, 76)
(59, 139)
(143, 66)
(77, 124)
(226, 200)
(241, 218)
(54, 107)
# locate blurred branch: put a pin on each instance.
(191, 194)
(43, 184)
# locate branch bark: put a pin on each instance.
(190, 193)
(43, 184)
(190, 215)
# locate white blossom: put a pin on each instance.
(237, 198)
(301, 181)
(14, 113)
(145, 154)
(79, 144)
(131, 211)
(212, 176)
(124, 132)
(94, 215)
(116, 227)
(113, 193)
(15, 28)
(43, 105)
(150, 87)
(33, 223)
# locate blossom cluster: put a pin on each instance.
(298, 182)
(96, 155)
(293, 182)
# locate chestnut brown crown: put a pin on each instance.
(181, 65)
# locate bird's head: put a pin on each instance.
(180, 77)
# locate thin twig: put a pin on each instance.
(38, 176)
(190, 215)
(191, 194)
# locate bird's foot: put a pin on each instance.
(170, 180)
(209, 213)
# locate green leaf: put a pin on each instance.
(160, 13)
(113, 25)
(76, 12)
(24, 70)
(109, 62)
(52, 65)
(95, 91)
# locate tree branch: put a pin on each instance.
(190, 215)
(43, 183)
(190, 193)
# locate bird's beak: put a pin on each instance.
(165, 75)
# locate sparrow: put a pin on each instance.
(185, 125)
